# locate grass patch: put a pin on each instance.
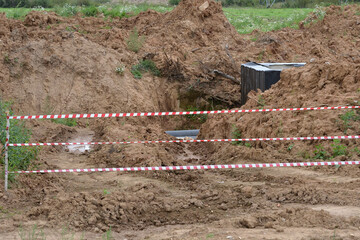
(20, 158)
(245, 20)
(347, 119)
(144, 66)
(135, 42)
(70, 122)
(33, 234)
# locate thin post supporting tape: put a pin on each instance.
(198, 167)
(107, 115)
(188, 141)
(7, 150)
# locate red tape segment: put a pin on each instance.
(187, 141)
(198, 167)
(107, 115)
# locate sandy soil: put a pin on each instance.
(61, 65)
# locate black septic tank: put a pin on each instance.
(261, 76)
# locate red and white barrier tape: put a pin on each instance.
(187, 141)
(107, 115)
(198, 167)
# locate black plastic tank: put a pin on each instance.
(261, 76)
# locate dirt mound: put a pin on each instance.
(61, 65)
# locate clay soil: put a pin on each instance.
(54, 65)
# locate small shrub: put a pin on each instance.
(134, 42)
(144, 66)
(90, 11)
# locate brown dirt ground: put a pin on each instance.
(61, 65)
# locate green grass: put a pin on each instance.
(144, 66)
(245, 20)
(19, 13)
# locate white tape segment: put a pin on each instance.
(188, 141)
(197, 167)
(107, 115)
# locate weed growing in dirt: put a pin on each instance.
(304, 154)
(236, 134)
(120, 70)
(321, 153)
(34, 234)
(66, 234)
(69, 29)
(347, 118)
(108, 235)
(7, 59)
(144, 66)
(20, 158)
(261, 102)
(290, 147)
(261, 55)
(210, 235)
(356, 150)
(70, 122)
(339, 149)
(135, 42)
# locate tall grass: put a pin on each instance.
(20, 158)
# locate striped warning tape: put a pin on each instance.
(107, 115)
(187, 141)
(198, 167)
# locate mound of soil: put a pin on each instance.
(57, 65)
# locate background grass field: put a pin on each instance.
(245, 20)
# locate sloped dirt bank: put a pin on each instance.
(61, 65)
